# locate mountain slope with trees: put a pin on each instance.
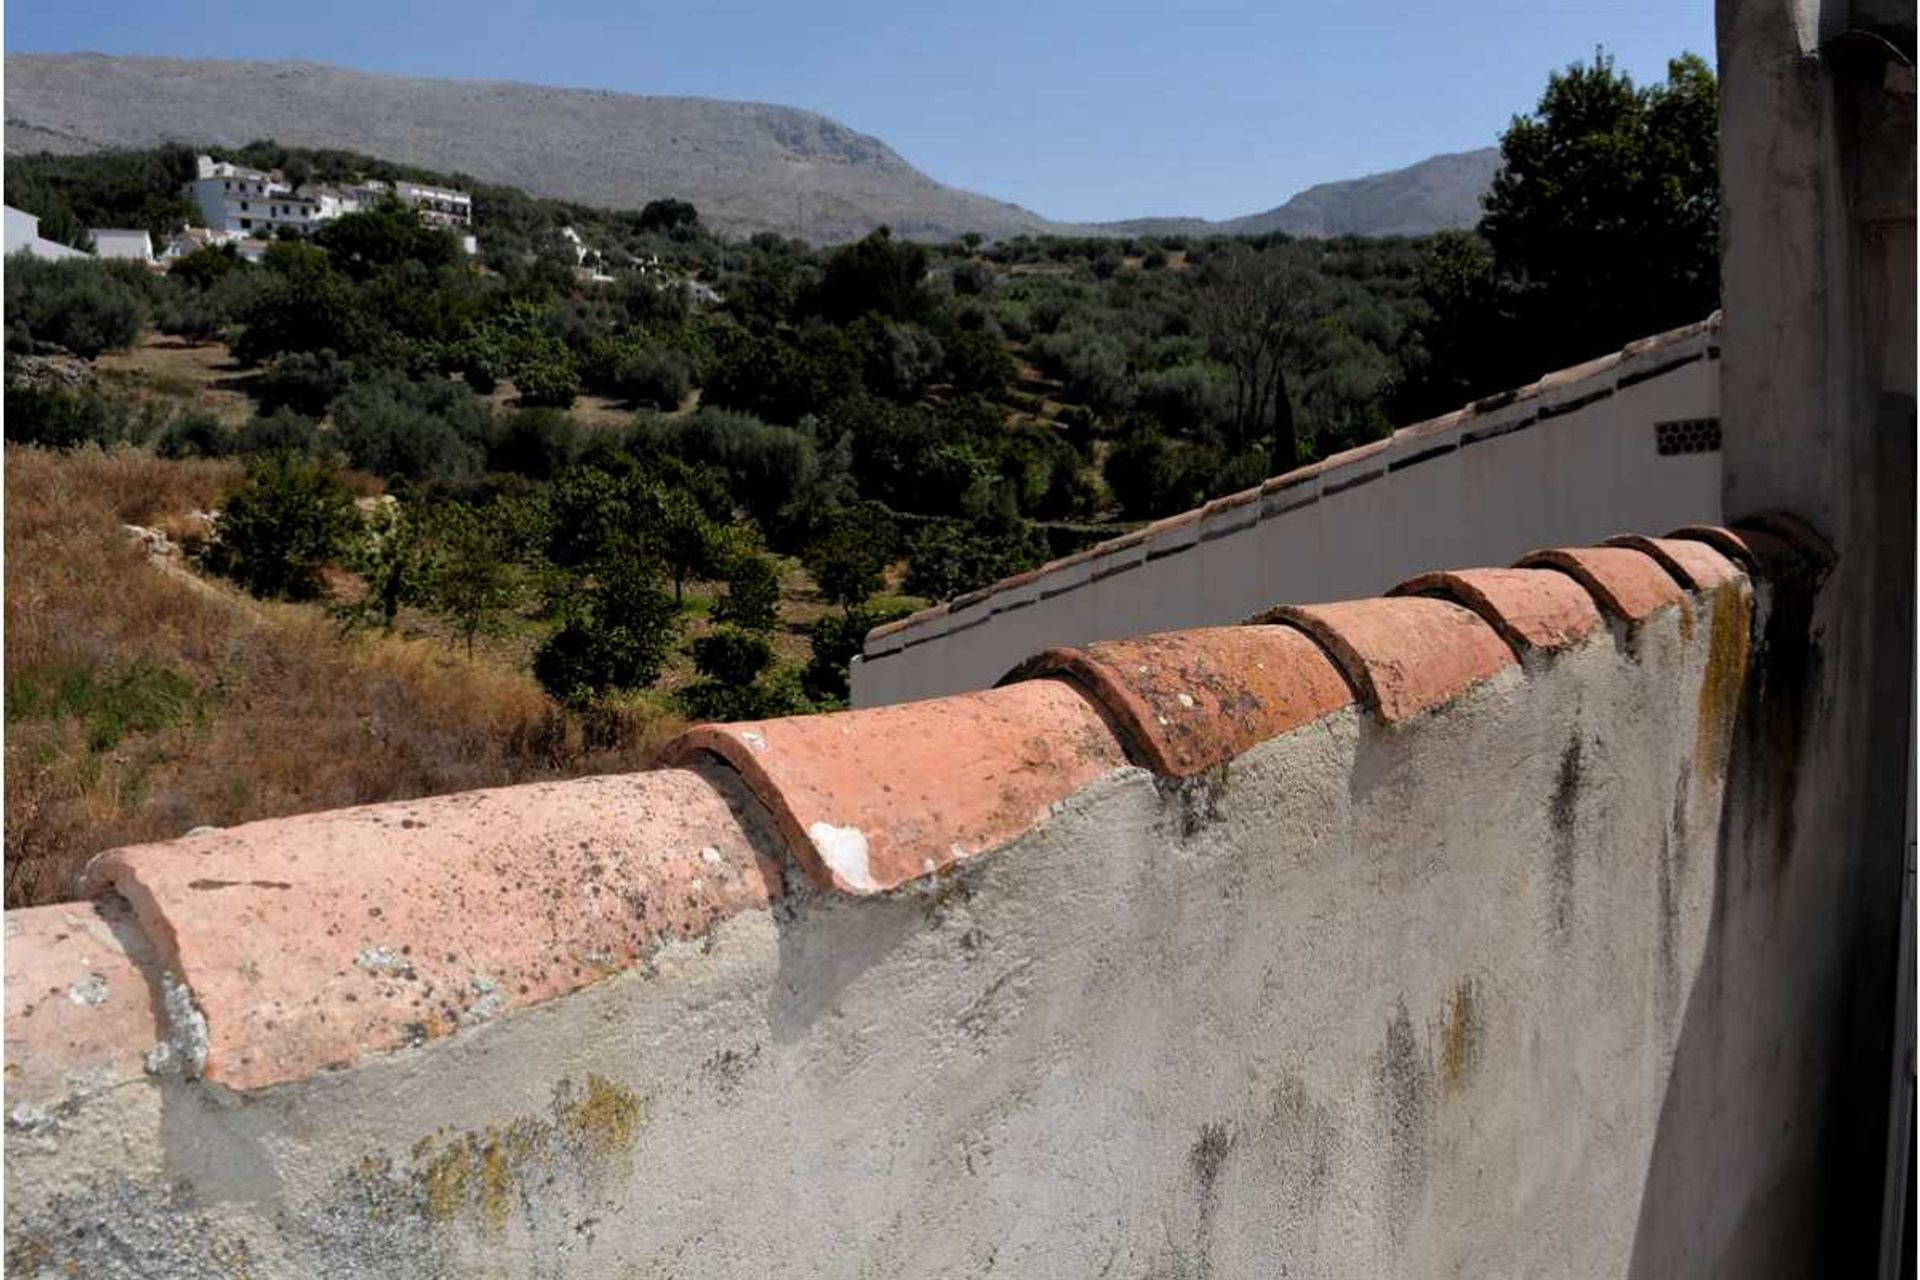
(752, 166)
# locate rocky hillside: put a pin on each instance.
(747, 166)
(1438, 192)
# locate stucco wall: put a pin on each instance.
(1394, 992)
(1574, 458)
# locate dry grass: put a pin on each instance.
(186, 377)
(142, 703)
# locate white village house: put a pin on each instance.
(235, 199)
(132, 244)
(23, 236)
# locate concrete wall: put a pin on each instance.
(1574, 458)
(1394, 992)
(1776, 1151)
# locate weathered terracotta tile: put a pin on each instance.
(1695, 564)
(1405, 654)
(1530, 608)
(1628, 584)
(1190, 700)
(82, 1003)
(869, 800)
(1758, 551)
(309, 942)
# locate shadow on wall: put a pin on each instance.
(1749, 1173)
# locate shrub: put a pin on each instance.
(537, 443)
(430, 428)
(85, 306)
(550, 381)
(619, 638)
(283, 431)
(194, 435)
(752, 601)
(657, 377)
(848, 556)
(277, 532)
(303, 381)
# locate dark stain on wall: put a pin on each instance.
(1562, 809)
(1404, 1083)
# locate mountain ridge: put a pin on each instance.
(748, 166)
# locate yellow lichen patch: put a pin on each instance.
(608, 1118)
(1723, 680)
(447, 1178)
(1460, 1041)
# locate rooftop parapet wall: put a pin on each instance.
(1356, 939)
(1628, 440)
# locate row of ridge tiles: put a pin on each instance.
(308, 942)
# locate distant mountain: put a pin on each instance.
(1437, 193)
(746, 166)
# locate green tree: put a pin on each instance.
(1604, 214)
(752, 601)
(390, 559)
(877, 274)
(83, 305)
(620, 631)
(287, 522)
(467, 577)
(848, 556)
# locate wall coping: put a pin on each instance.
(272, 952)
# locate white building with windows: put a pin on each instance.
(235, 199)
(441, 207)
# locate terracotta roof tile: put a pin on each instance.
(1402, 655)
(1530, 608)
(310, 941)
(1190, 700)
(1695, 565)
(1628, 584)
(869, 800)
(82, 1003)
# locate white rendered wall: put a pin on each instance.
(1570, 461)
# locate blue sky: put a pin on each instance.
(1080, 110)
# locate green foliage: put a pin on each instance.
(109, 703)
(55, 418)
(194, 435)
(977, 364)
(947, 557)
(391, 559)
(620, 632)
(668, 215)
(1602, 226)
(548, 378)
(417, 429)
(303, 381)
(72, 193)
(536, 443)
(878, 274)
(363, 244)
(835, 639)
(466, 577)
(275, 534)
(737, 680)
(848, 556)
(752, 602)
(652, 377)
(81, 304)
